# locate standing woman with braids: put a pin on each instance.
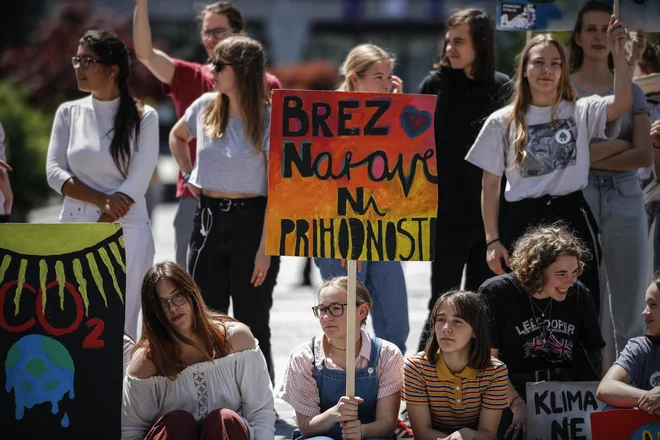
(102, 154)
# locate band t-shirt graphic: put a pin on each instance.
(551, 147)
(556, 159)
(528, 341)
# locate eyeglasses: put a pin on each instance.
(216, 33)
(219, 65)
(178, 300)
(335, 310)
(83, 62)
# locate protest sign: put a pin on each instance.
(560, 15)
(630, 424)
(352, 176)
(560, 410)
(61, 325)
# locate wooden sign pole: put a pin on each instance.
(350, 328)
(616, 15)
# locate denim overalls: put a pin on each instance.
(332, 386)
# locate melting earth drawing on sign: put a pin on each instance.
(40, 370)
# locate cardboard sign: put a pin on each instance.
(61, 325)
(352, 176)
(560, 410)
(630, 424)
(561, 15)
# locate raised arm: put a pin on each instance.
(157, 61)
(623, 98)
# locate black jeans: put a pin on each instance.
(574, 211)
(456, 247)
(224, 242)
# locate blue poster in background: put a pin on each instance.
(560, 15)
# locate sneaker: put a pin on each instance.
(402, 430)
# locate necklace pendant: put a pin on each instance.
(542, 315)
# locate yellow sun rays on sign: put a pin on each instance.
(69, 243)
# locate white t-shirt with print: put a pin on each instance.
(556, 160)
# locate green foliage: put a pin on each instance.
(27, 132)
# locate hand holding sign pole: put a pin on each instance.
(352, 176)
(350, 328)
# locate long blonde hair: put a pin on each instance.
(522, 95)
(360, 59)
(248, 60)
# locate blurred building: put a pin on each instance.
(308, 39)
(304, 30)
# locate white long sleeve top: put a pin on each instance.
(80, 146)
(238, 381)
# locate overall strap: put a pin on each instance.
(311, 347)
(374, 355)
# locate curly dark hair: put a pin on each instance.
(539, 247)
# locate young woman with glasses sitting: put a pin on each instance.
(315, 378)
(194, 373)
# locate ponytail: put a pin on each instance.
(126, 125)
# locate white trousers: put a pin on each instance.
(139, 249)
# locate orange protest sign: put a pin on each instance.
(352, 175)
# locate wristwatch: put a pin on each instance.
(186, 177)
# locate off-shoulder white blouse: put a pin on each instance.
(238, 381)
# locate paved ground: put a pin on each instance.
(292, 322)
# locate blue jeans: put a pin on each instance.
(617, 202)
(387, 287)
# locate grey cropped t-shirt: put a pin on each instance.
(228, 163)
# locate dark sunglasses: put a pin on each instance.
(218, 66)
(83, 62)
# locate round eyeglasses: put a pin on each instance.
(215, 34)
(178, 300)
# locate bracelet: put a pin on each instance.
(655, 146)
(513, 402)
(491, 242)
(514, 405)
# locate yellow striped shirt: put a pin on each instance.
(454, 400)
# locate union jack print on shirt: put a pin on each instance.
(562, 348)
(535, 346)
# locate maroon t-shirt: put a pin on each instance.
(190, 81)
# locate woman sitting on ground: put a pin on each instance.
(315, 378)
(543, 322)
(194, 373)
(634, 379)
(454, 389)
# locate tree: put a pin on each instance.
(27, 132)
(44, 64)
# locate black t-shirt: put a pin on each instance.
(462, 107)
(514, 326)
